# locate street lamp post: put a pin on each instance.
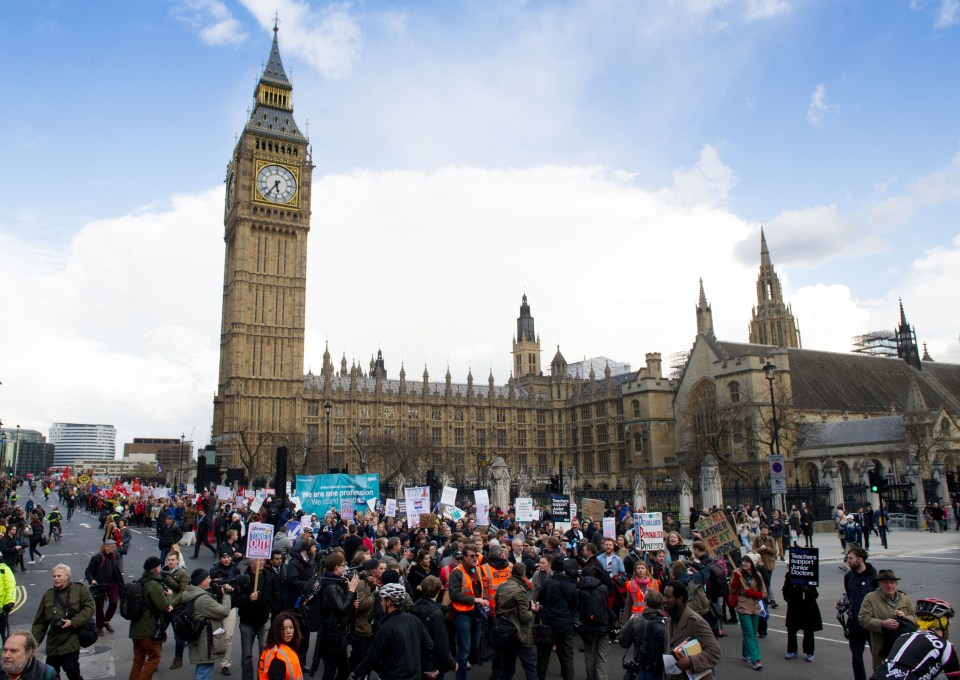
(769, 371)
(180, 461)
(16, 450)
(326, 410)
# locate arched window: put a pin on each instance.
(734, 388)
(703, 409)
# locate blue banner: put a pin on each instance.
(318, 492)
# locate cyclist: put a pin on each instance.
(55, 518)
(925, 653)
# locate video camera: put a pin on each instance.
(843, 610)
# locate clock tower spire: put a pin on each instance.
(266, 223)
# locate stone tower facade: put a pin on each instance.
(772, 321)
(526, 344)
(266, 223)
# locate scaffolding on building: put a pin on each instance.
(876, 344)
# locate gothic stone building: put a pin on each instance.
(598, 422)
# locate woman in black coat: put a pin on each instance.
(803, 613)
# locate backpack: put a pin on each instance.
(132, 603)
(184, 625)
(650, 647)
(698, 599)
(717, 585)
(592, 605)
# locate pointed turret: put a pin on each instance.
(907, 341)
(327, 369)
(343, 365)
(926, 355)
(704, 314)
(772, 322)
(915, 404)
(526, 344)
(273, 109)
(558, 366)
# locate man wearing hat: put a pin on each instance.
(143, 631)
(882, 610)
(401, 642)
(211, 646)
(105, 579)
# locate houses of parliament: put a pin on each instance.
(599, 421)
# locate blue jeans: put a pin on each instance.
(748, 626)
(203, 671)
(163, 554)
(468, 639)
(527, 659)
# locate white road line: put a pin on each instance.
(924, 557)
(781, 616)
(815, 637)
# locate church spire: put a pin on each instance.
(772, 321)
(704, 314)
(907, 348)
(526, 344)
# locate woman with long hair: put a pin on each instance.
(637, 586)
(748, 587)
(279, 661)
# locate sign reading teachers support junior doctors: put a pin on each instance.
(318, 492)
(804, 566)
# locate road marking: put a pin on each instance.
(84, 524)
(21, 598)
(923, 557)
(816, 637)
(781, 616)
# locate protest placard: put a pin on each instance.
(294, 529)
(319, 492)
(803, 568)
(390, 509)
(610, 527)
(592, 509)
(428, 520)
(418, 503)
(482, 499)
(454, 513)
(257, 502)
(449, 496)
(346, 509)
(224, 493)
(720, 536)
(560, 508)
(648, 527)
(401, 506)
(524, 510)
(259, 540)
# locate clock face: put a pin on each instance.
(277, 184)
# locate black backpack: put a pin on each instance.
(592, 606)
(650, 646)
(184, 625)
(132, 603)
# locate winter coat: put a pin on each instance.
(36, 670)
(857, 587)
(768, 556)
(73, 602)
(155, 603)
(875, 609)
(803, 612)
(749, 592)
(366, 599)
(558, 599)
(177, 581)
(336, 603)
(104, 569)
(691, 625)
(513, 602)
(431, 616)
(269, 601)
(299, 580)
(168, 535)
(398, 649)
(208, 648)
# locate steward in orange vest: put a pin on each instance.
(495, 570)
(280, 653)
(466, 584)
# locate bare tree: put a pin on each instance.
(393, 456)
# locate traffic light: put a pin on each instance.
(874, 481)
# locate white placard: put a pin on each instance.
(257, 502)
(239, 501)
(191, 489)
(454, 513)
(160, 492)
(372, 504)
(224, 493)
(610, 527)
(346, 509)
(648, 527)
(390, 509)
(418, 503)
(259, 540)
(296, 502)
(482, 499)
(449, 496)
(524, 510)
(249, 494)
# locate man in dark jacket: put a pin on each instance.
(168, 533)
(594, 623)
(858, 582)
(20, 659)
(513, 602)
(402, 643)
(105, 579)
(430, 613)
(557, 598)
(255, 606)
(145, 630)
(203, 533)
(337, 597)
(637, 632)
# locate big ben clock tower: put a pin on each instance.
(266, 222)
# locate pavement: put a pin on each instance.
(926, 562)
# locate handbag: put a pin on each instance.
(542, 633)
(502, 633)
(87, 634)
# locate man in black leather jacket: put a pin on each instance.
(401, 644)
(337, 597)
(558, 605)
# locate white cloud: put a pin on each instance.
(941, 186)
(829, 316)
(706, 183)
(329, 37)
(759, 10)
(946, 14)
(818, 106)
(212, 19)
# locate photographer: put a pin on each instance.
(367, 593)
(211, 646)
(147, 631)
(338, 597)
(225, 571)
(175, 580)
(646, 633)
(300, 582)
(63, 609)
(105, 578)
(255, 606)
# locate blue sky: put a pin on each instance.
(600, 156)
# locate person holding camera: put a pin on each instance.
(175, 579)
(211, 607)
(367, 591)
(63, 610)
(338, 597)
(646, 633)
(105, 578)
(226, 571)
(147, 631)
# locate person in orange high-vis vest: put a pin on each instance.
(493, 572)
(466, 592)
(279, 661)
(636, 587)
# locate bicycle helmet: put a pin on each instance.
(934, 608)
(393, 592)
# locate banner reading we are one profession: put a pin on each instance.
(318, 492)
